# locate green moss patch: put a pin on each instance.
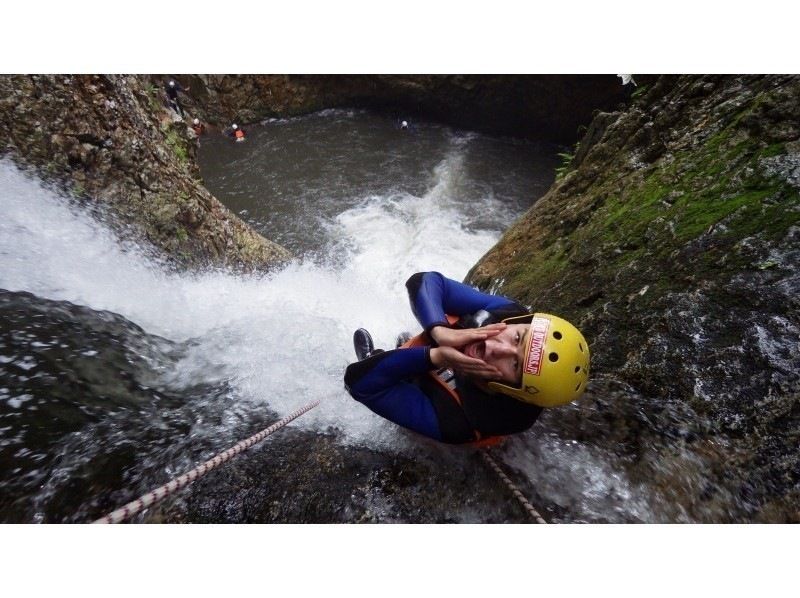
(665, 225)
(177, 144)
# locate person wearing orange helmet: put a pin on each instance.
(483, 367)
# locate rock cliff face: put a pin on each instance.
(673, 240)
(112, 140)
(540, 106)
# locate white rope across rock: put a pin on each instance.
(516, 491)
(162, 492)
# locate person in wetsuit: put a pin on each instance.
(483, 367)
(198, 127)
(173, 87)
(236, 132)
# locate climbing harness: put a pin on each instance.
(444, 381)
(516, 491)
(162, 492)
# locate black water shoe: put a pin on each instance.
(362, 342)
(402, 339)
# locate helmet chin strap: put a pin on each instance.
(483, 384)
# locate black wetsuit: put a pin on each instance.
(172, 95)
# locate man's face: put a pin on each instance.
(506, 352)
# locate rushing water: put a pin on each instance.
(115, 372)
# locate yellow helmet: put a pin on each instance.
(556, 366)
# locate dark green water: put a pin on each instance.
(292, 177)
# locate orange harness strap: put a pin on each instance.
(446, 379)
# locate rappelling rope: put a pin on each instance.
(162, 492)
(516, 491)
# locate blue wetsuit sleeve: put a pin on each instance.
(383, 383)
(432, 296)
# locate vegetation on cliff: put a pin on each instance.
(672, 240)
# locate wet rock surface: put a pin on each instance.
(112, 141)
(672, 240)
(300, 477)
(83, 415)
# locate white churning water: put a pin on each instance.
(281, 339)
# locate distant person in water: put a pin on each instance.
(173, 88)
(199, 128)
(237, 132)
(484, 367)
